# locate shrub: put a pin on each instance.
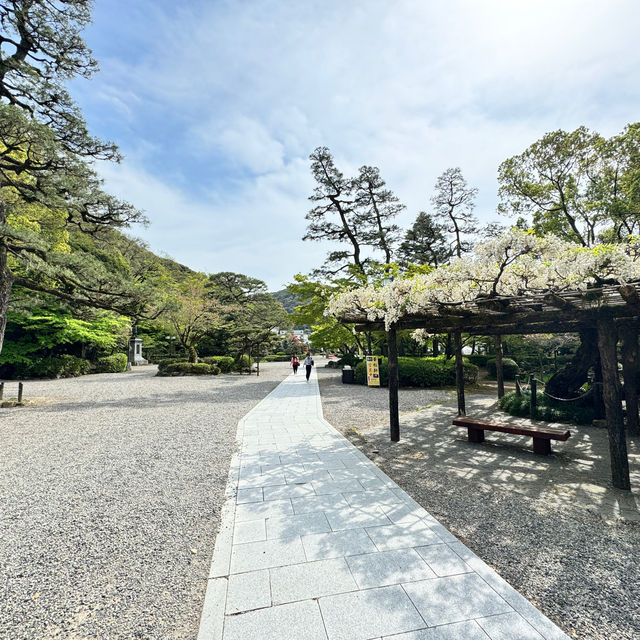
(64, 366)
(224, 363)
(277, 357)
(188, 369)
(510, 368)
(112, 364)
(420, 372)
(349, 359)
(242, 363)
(546, 409)
(480, 360)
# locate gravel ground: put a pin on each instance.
(579, 569)
(111, 487)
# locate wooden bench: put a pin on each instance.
(542, 436)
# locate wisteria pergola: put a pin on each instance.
(612, 310)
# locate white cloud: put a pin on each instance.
(247, 90)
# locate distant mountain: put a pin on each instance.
(288, 300)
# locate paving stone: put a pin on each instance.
(402, 536)
(297, 621)
(337, 544)
(443, 560)
(509, 626)
(311, 580)
(455, 599)
(247, 591)
(249, 495)
(401, 513)
(288, 491)
(253, 556)
(360, 615)
(377, 497)
(319, 503)
(457, 631)
(306, 523)
(388, 567)
(249, 531)
(336, 486)
(257, 510)
(356, 518)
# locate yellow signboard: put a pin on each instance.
(373, 371)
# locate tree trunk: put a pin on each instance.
(566, 383)
(6, 284)
(499, 372)
(193, 354)
(448, 348)
(607, 340)
(630, 372)
(457, 338)
(436, 351)
(394, 413)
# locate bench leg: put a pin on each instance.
(475, 435)
(542, 446)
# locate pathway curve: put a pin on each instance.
(317, 543)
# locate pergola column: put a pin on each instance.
(607, 341)
(499, 372)
(394, 413)
(457, 341)
(629, 334)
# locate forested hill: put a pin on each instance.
(288, 300)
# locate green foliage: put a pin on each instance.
(224, 363)
(187, 369)
(242, 363)
(420, 372)
(40, 330)
(348, 359)
(63, 366)
(510, 368)
(277, 357)
(480, 360)
(546, 409)
(112, 364)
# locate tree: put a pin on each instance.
(335, 198)
(46, 185)
(453, 201)
(577, 185)
(195, 311)
(328, 332)
(376, 207)
(425, 243)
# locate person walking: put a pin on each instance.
(295, 363)
(308, 363)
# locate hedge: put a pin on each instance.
(276, 357)
(225, 363)
(510, 368)
(547, 409)
(421, 372)
(479, 359)
(64, 366)
(112, 364)
(187, 369)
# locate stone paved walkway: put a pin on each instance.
(317, 543)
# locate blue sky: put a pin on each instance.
(217, 105)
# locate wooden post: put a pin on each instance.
(607, 340)
(20, 389)
(457, 341)
(394, 414)
(1, 390)
(629, 334)
(499, 374)
(533, 385)
(518, 387)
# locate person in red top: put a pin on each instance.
(295, 363)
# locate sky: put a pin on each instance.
(217, 104)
